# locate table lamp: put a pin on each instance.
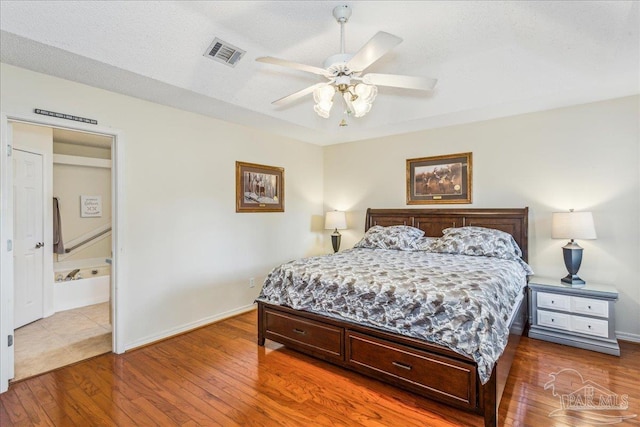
(572, 225)
(335, 220)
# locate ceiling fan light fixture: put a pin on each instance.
(343, 70)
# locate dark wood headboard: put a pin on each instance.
(433, 221)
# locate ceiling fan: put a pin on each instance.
(344, 74)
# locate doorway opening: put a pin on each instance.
(63, 286)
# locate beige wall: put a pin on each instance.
(584, 157)
(69, 183)
(189, 255)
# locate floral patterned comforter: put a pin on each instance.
(458, 301)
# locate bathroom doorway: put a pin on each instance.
(74, 280)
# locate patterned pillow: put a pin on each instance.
(478, 241)
(424, 243)
(399, 237)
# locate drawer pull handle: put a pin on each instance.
(589, 307)
(553, 302)
(299, 331)
(552, 319)
(402, 365)
(589, 326)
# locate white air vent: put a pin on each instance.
(224, 52)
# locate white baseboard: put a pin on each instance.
(189, 326)
(626, 336)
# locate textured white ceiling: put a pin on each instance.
(491, 58)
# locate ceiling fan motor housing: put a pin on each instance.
(337, 59)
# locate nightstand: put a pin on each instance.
(579, 317)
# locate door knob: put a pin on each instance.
(39, 245)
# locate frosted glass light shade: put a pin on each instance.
(364, 101)
(573, 225)
(366, 93)
(335, 220)
(323, 96)
(323, 109)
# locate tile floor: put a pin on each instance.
(61, 339)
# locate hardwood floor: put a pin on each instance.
(219, 376)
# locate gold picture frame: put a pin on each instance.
(439, 179)
(259, 188)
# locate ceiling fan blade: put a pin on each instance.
(373, 50)
(297, 95)
(395, 80)
(294, 65)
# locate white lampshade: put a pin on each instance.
(335, 220)
(572, 225)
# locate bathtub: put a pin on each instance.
(91, 285)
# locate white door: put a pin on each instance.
(28, 237)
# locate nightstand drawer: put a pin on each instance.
(585, 325)
(554, 320)
(593, 307)
(555, 301)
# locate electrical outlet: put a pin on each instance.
(252, 282)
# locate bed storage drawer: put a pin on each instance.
(447, 379)
(306, 335)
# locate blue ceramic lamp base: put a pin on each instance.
(572, 253)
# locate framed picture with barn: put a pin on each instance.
(259, 188)
(439, 179)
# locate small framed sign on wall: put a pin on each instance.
(90, 206)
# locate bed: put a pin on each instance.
(360, 328)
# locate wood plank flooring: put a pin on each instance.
(219, 376)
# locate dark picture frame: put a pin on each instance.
(439, 179)
(259, 188)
